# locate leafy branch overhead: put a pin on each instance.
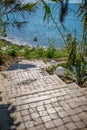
(10, 10)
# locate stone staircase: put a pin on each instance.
(30, 80)
(34, 93)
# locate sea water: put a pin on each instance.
(45, 32)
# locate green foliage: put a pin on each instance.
(76, 63)
(51, 69)
(78, 72)
(1, 57)
(13, 50)
(27, 52)
(12, 9)
(50, 51)
(60, 53)
(47, 10)
(72, 58)
(2, 52)
(69, 41)
(39, 52)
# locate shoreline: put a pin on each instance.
(13, 41)
(17, 42)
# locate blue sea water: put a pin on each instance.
(45, 31)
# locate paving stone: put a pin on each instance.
(43, 113)
(51, 110)
(70, 112)
(67, 97)
(77, 110)
(82, 115)
(62, 114)
(33, 110)
(53, 99)
(40, 127)
(63, 127)
(84, 129)
(55, 104)
(27, 117)
(66, 120)
(32, 128)
(21, 126)
(85, 121)
(53, 129)
(58, 109)
(29, 124)
(75, 118)
(60, 98)
(40, 103)
(54, 116)
(32, 105)
(49, 125)
(34, 115)
(18, 108)
(58, 122)
(71, 126)
(46, 118)
(48, 106)
(25, 112)
(47, 101)
(84, 108)
(80, 124)
(37, 121)
(40, 108)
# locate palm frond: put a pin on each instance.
(56, 1)
(29, 6)
(47, 10)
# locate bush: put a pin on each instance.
(51, 69)
(50, 51)
(27, 52)
(13, 50)
(39, 52)
(78, 72)
(60, 53)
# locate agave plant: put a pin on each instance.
(78, 73)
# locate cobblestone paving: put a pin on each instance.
(44, 102)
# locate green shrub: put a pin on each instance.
(78, 72)
(60, 53)
(13, 50)
(51, 69)
(39, 52)
(27, 52)
(50, 51)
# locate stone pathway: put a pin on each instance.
(39, 101)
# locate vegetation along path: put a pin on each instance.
(31, 99)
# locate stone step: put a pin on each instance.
(75, 97)
(33, 72)
(33, 85)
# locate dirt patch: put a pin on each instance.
(9, 61)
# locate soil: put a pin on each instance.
(9, 61)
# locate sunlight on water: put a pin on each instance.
(45, 31)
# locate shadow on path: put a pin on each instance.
(25, 82)
(16, 66)
(6, 121)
